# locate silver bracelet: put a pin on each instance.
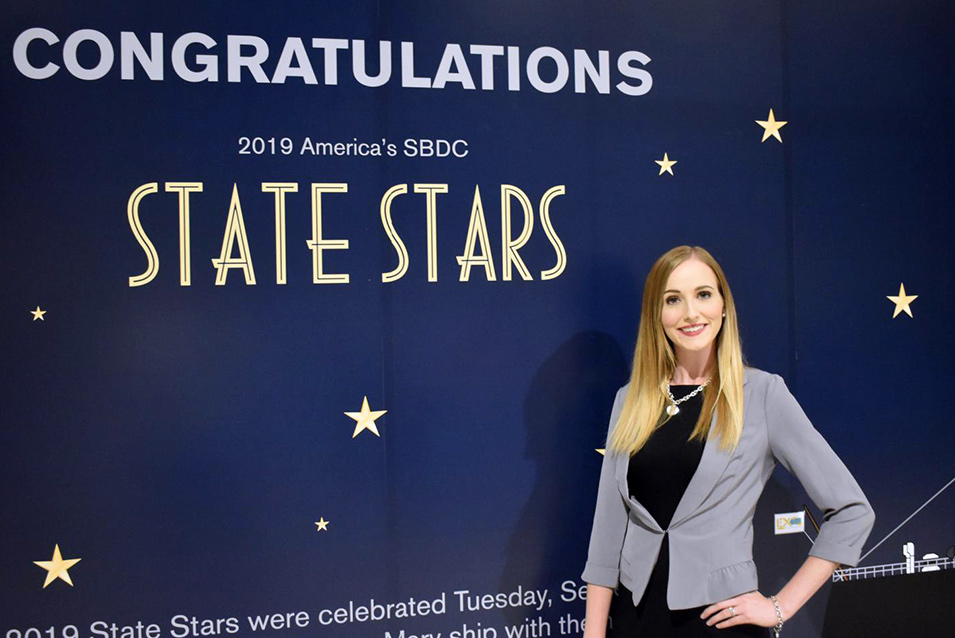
(779, 618)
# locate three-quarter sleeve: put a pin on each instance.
(794, 442)
(610, 519)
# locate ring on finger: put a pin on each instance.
(732, 611)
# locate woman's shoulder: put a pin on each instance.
(621, 395)
(758, 378)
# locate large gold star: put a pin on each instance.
(771, 127)
(38, 314)
(666, 164)
(56, 568)
(322, 525)
(365, 419)
(902, 302)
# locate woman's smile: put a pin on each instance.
(694, 330)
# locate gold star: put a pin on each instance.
(601, 451)
(38, 314)
(56, 568)
(772, 127)
(322, 525)
(666, 164)
(365, 419)
(902, 302)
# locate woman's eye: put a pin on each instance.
(669, 299)
(707, 293)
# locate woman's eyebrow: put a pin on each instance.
(698, 288)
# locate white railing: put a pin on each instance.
(893, 569)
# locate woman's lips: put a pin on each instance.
(693, 334)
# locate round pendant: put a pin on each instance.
(673, 409)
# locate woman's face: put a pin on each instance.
(692, 307)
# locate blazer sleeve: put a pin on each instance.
(610, 519)
(794, 442)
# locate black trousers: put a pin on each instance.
(652, 619)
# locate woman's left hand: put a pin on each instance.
(750, 609)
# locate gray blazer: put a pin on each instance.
(711, 534)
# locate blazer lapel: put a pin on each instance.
(712, 465)
(710, 469)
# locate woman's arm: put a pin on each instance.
(801, 449)
(755, 609)
(602, 571)
(796, 444)
(804, 583)
(610, 518)
(598, 610)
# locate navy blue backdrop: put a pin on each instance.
(183, 440)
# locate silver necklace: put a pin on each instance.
(674, 407)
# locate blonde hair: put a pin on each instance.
(654, 362)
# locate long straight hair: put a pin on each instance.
(654, 362)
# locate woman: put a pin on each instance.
(694, 437)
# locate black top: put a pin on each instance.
(661, 470)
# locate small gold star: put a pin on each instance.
(322, 525)
(902, 302)
(56, 568)
(666, 164)
(38, 314)
(772, 127)
(365, 419)
(601, 451)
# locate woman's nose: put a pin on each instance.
(691, 312)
